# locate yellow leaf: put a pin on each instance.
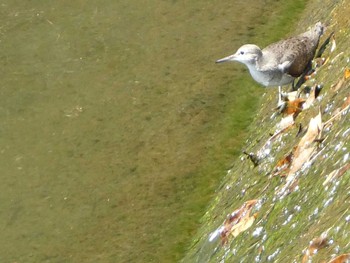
(238, 221)
(243, 225)
(347, 73)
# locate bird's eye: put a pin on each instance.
(242, 52)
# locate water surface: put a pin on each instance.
(116, 125)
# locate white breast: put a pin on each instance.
(270, 78)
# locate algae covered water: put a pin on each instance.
(116, 126)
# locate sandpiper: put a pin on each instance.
(279, 63)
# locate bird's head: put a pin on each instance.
(246, 54)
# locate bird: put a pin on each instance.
(281, 62)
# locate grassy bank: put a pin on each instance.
(237, 100)
(308, 206)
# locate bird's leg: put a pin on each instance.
(281, 98)
(280, 102)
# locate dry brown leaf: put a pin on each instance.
(238, 221)
(299, 160)
(283, 165)
(235, 216)
(285, 123)
(313, 131)
(335, 87)
(315, 91)
(331, 176)
(305, 147)
(345, 258)
(315, 245)
(336, 173)
(346, 103)
(294, 107)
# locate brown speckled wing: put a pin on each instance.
(298, 50)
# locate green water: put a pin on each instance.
(116, 125)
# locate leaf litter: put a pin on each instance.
(236, 222)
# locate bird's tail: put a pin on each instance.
(319, 29)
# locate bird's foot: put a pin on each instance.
(281, 105)
(282, 101)
(284, 96)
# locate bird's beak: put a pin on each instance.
(225, 59)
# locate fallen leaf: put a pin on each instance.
(330, 176)
(243, 225)
(346, 103)
(315, 245)
(336, 173)
(335, 87)
(313, 131)
(315, 91)
(299, 161)
(285, 122)
(238, 221)
(347, 73)
(306, 146)
(345, 258)
(294, 107)
(283, 165)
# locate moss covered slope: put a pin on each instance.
(296, 204)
